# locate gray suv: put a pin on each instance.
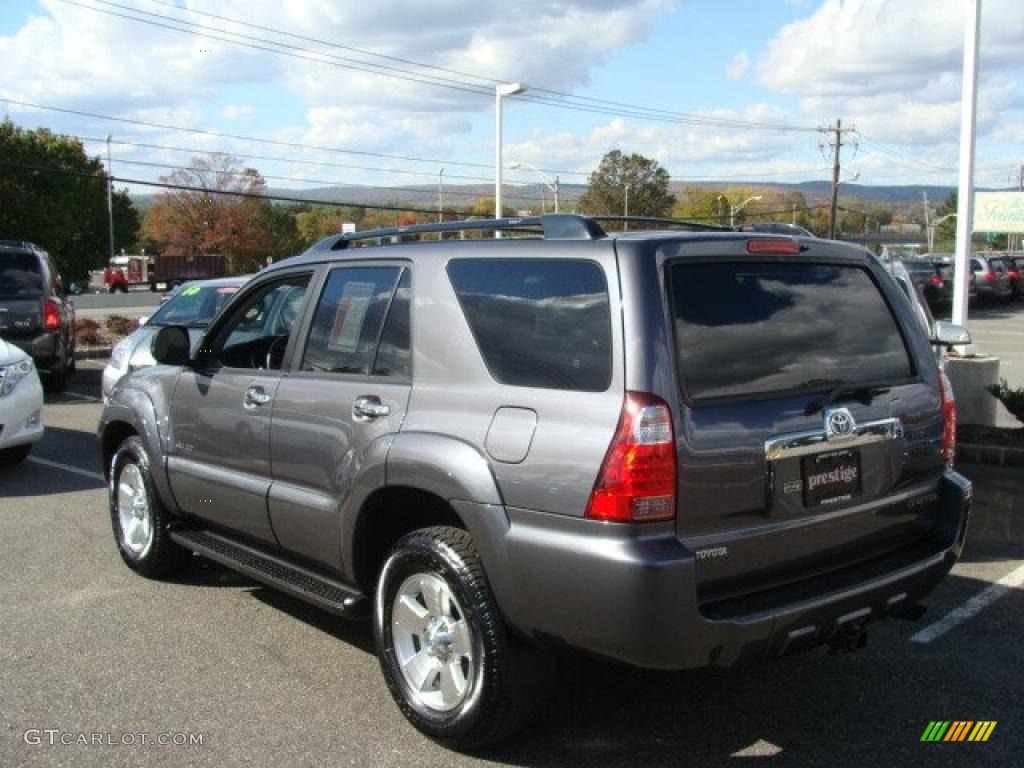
(672, 448)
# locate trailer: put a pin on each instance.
(130, 271)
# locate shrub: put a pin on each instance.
(1013, 398)
(87, 331)
(119, 325)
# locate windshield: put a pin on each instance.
(194, 305)
(20, 277)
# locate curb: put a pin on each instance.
(997, 455)
(92, 353)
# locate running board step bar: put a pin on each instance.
(303, 583)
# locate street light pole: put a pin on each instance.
(553, 185)
(965, 195)
(625, 211)
(110, 198)
(734, 209)
(440, 196)
(501, 90)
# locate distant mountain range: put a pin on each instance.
(530, 196)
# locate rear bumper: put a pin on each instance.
(607, 590)
(42, 348)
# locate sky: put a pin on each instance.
(390, 92)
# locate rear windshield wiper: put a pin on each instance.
(863, 393)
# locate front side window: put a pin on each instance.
(748, 329)
(257, 332)
(538, 322)
(349, 316)
(193, 306)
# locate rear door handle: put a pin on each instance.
(255, 397)
(369, 407)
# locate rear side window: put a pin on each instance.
(538, 322)
(349, 318)
(748, 329)
(20, 276)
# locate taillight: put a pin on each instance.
(935, 280)
(637, 482)
(773, 245)
(1014, 274)
(51, 315)
(948, 419)
(990, 276)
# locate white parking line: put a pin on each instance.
(971, 608)
(67, 468)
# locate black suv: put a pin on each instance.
(35, 313)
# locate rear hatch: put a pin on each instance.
(811, 420)
(21, 295)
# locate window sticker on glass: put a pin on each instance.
(192, 290)
(348, 319)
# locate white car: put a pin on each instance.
(21, 404)
(191, 304)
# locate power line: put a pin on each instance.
(233, 193)
(553, 98)
(413, 190)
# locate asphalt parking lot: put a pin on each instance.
(87, 647)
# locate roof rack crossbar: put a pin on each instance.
(562, 226)
(695, 226)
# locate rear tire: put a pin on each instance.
(140, 521)
(56, 378)
(447, 657)
(15, 455)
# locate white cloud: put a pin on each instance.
(892, 67)
(738, 66)
(239, 112)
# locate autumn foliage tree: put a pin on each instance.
(214, 206)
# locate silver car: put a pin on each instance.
(193, 305)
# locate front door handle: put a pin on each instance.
(255, 397)
(369, 407)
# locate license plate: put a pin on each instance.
(831, 477)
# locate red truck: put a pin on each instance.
(131, 270)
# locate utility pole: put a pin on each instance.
(927, 221)
(440, 196)
(836, 146)
(110, 198)
(625, 212)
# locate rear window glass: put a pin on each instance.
(946, 272)
(745, 329)
(918, 266)
(20, 276)
(538, 323)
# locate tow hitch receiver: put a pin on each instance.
(848, 638)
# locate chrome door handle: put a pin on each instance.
(254, 398)
(369, 407)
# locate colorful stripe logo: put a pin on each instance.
(958, 730)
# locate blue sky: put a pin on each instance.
(893, 72)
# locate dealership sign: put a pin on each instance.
(999, 212)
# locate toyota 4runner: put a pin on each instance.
(671, 448)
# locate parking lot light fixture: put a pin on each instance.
(500, 91)
(734, 209)
(550, 183)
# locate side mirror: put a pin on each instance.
(171, 345)
(949, 334)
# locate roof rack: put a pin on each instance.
(691, 226)
(552, 226)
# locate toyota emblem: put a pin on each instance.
(839, 423)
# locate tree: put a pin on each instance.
(703, 205)
(52, 194)
(647, 184)
(321, 222)
(879, 217)
(484, 208)
(219, 212)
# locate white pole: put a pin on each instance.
(440, 196)
(497, 155)
(110, 198)
(965, 195)
(556, 192)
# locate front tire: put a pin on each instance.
(140, 521)
(448, 660)
(15, 455)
